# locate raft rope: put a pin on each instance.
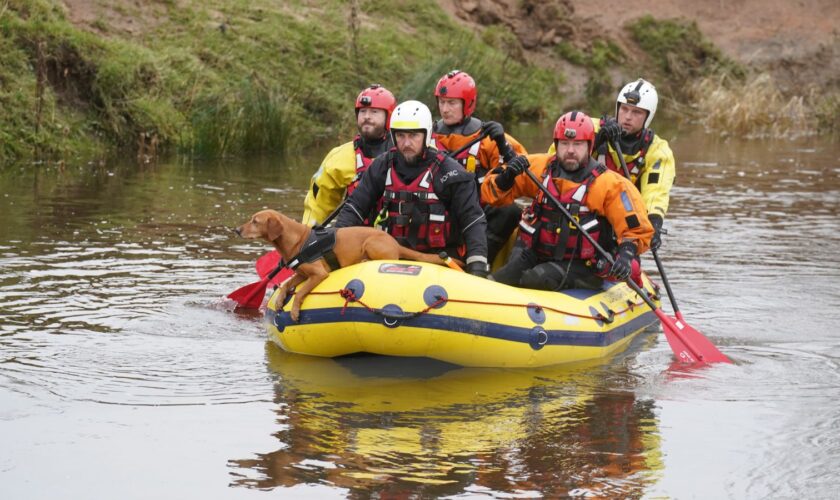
(349, 296)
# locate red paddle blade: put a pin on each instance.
(280, 277)
(250, 296)
(267, 263)
(689, 345)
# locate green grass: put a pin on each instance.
(680, 49)
(599, 57)
(236, 77)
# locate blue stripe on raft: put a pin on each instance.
(470, 326)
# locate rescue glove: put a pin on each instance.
(656, 222)
(478, 268)
(495, 131)
(623, 265)
(610, 131)
(516, 166)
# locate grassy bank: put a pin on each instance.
(231, 77)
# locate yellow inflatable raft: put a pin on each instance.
(401, 308)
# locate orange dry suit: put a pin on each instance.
(482, 156)
(606, 204)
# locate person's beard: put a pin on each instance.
(571, 164)
(370, 132)
(413, 159)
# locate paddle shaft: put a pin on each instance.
(659, 266)
(666, 283)
(466, 146)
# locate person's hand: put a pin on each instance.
(478, 268)
(623, 265)
(518, 165)
(495, 131)
(610, 131)
(656, 222)
(515, 166)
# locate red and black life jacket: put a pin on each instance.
(635, 165)
(544, 228)
(362, 164)
(416, 216)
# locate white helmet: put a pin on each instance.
(412, 115)
(641, 94)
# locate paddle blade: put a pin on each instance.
(689, 345)
(267, 263)
(250, 296)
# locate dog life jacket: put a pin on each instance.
(319, 244)
(362, 164)
(416, 217)
(544, 228)
(635, 165)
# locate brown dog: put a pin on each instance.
(352, 245)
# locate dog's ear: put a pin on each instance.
(273, 228)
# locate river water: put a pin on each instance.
(125, 374)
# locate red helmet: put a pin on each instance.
(458, 85)
(577, 126)
(378, 97)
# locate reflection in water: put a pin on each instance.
(416, 426)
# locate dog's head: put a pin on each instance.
(265, 224)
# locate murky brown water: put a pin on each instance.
(123, 374)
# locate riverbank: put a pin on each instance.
(86, 79)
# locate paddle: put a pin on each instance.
(655, 253)
(689, 345)
(251, 296)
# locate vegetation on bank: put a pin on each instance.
(224, 77)
(232, 77)
(725, 97)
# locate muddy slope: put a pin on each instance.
(797, 42)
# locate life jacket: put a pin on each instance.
(468, 158)
(635, 165)
(415, 215)
(362, 164)
(546, 230)
(319, 244)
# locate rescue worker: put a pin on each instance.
(456, 96)
(429, 202)
(551, 254)
(649, 159)
(343, 166)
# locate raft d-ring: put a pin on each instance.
(392, 315)
(538, 338)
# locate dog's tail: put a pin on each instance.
(411, 254)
